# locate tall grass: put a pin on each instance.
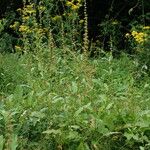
(71, 102)
(52, 97)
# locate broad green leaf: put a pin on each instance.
(18, 93)
(83, 146)
(142, 148)
(14, 143)
(74, 87)
(73, 135)
(37, 114)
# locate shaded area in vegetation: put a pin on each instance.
(114, 16)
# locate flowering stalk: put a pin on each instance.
(85, 36)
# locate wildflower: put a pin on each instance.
(79, 1)
(30, 11)
(41, 8)
(19, 9)
(146, 27)
(23, 28)
(134, 33)
(139, 37)
(30, 6)
(15, 25)
(25, 18)
(75, 7)
(127, 35)
(68, 3)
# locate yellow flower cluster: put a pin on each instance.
(29, 9)
(41, 8)
(146, 27)
(139, 37)
(24, 28)
(29, 23)
(15, 25)
(27, 12)
(74, 4)
(25, 18)
(37, 30)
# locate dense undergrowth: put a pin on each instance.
(53, 96)
(71, 102)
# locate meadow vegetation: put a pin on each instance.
(53, 96)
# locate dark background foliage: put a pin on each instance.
(125, 12)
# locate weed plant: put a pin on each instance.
(71, 102)
(54, 98)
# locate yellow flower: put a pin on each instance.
(134, 33)
(41, 8)
(79, 1)
(75, 7)
(25, 18)
(139, 37)
(141, 34)
(146, 27)
(74, 4)
(30, 11)
(15, 25)
(68, 3)
(23, 28)
(127, 35)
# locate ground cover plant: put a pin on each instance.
(73, 103)
(54, 96)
